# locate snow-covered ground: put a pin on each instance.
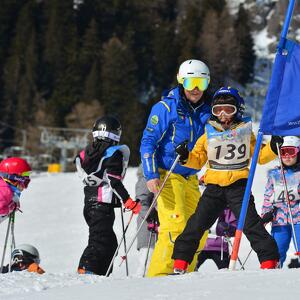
(52, 221)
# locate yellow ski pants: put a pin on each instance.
(176, 203)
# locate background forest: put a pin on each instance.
(64, 64)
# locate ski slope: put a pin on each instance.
(52, 221)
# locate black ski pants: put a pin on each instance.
(102, 242)
(216, 256)
(213, 201)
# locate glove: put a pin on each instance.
(134, 206)
(276, 139)
(153, 227)
(182, 150)
(152, 221)
(269, 216)
(153, 216)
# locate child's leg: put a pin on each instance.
(261, 241)
(102, 239)
(221, 262)
(207, 211)
(282, 236)
(202, 257)
(297, 232)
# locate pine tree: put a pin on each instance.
(90, 60)
(190, 24)
(20, 72)
(120, 92)
(218, 46)
(9, 10)
(61, 57)
(165, 46)
(245, 68)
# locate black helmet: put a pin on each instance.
(107, 129)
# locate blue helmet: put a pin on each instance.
(230, 91)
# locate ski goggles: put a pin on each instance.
(21, 181)
(18, 256)
(191, 83)
(288, 151)
(226, 109)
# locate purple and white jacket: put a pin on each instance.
(225, 227)
(275, 196)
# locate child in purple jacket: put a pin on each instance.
(216, 247)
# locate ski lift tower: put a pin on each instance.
(64, 139)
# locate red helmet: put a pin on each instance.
(14, 165)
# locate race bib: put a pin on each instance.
(230, 149)
(292, 180)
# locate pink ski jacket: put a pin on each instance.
(7, 205)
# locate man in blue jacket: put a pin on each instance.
(179, 116)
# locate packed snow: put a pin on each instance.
(52, 221)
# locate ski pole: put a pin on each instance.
(287, 200)
(5, 243)
(243, 265)
(231, 245)
(125, 247)
(151, 207)
(246, 258)
(12, 243)
(116, 252)
(148, 250)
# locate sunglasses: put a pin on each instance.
(227, 109)
(191, 83)
(288, 151)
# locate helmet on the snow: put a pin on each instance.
(193, 70)
(25, 254)
(230, 95)
(107, 129)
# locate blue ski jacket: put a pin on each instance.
(172, 121)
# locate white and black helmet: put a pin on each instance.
(25, 253)
(193, 68)
(107, 129)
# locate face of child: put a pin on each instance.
(225, 120)
(289, 161)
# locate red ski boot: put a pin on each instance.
(180, 266)
(269, 264)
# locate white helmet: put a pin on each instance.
(192, 68)
(291, 141)
(26, 251)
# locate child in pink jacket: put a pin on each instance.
(14, 178)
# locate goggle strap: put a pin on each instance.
(106, 134)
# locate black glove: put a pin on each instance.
(182, 150)
(153, 216)
(269, 216)
(152, 221)
(276, 139)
